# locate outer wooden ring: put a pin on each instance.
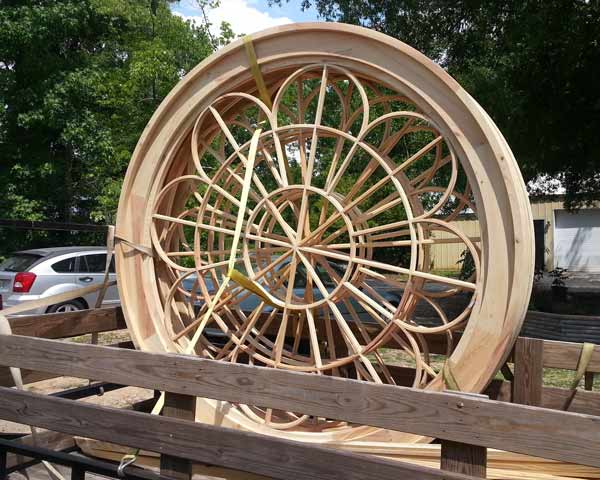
(498, 188)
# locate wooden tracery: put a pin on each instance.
(363, 162)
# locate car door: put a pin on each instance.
(90, 269)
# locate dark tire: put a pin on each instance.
(68, 306)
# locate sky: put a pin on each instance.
(247, 16)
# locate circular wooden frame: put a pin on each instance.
(188, 151)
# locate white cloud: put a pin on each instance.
(243, 16)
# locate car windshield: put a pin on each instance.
(19, 262)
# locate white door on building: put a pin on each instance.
(577, 240)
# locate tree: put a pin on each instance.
(533, 65)
(79, 80)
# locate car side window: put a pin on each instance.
(93, 263)
(65, 266)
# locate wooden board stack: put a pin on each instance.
(501, 465)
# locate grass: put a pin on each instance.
(554, 377)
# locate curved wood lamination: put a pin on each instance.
(365, 158)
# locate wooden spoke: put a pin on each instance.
(360, 294)
(314, 340)
(315, 138)
(391, 268)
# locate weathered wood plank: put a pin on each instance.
(68, 324)
(529, 371)
(517, 428)
(249, 452)
(566, 355)
(583, 402)
(183, 407)
(462, 458)
(552, 397)
(29, 376)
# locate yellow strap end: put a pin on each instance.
(449, 378)
(587, 350)
(250, 285)
(256, 73)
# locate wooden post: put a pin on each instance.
(529, 371)
(463, 458)
(183, 407)
(589, 381)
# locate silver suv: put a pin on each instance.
(32, 274)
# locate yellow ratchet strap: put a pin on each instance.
(256, 73)
(131, 458)
(587, 351)
(250, 285)
(449, 378)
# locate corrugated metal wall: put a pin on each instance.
(446, 256)
(544, 210)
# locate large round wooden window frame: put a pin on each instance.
(506, 262)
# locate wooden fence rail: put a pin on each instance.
(68, 324)
(561, 355)
(465, 425)
(63, 325)
(523, 429)
(258, 454)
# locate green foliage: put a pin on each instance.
(79, 80)
(227, 34)
(533, 65)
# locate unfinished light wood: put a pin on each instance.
(501, 465)
(151, 460)
(368, 147)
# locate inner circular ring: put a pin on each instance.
(277, 215)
